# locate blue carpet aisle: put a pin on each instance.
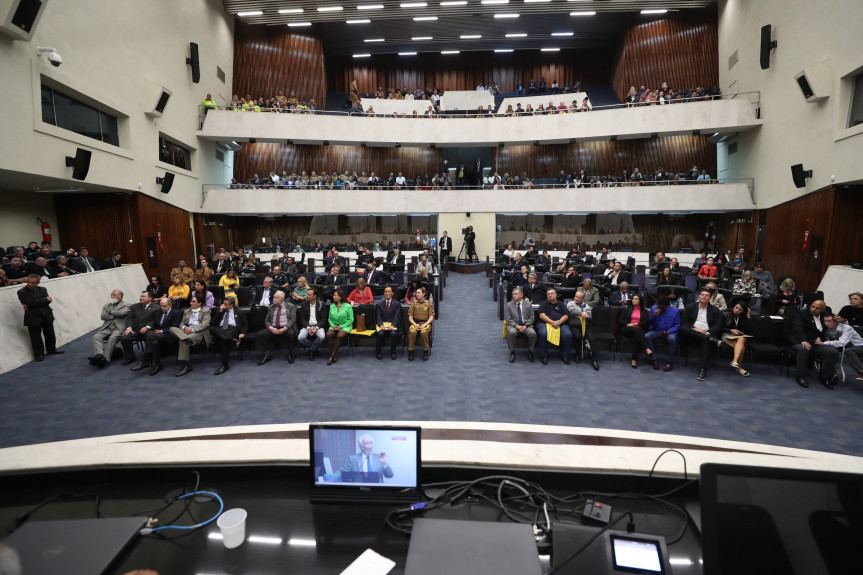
(467, 378)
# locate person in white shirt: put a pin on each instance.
(400, 180)
(843, 335)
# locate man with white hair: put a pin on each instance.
(113, 324)
(367, 460)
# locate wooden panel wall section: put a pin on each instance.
(261, 158)
(674, 153)
(681, 49)
(269, 58)
(106, 222)
(591, 67)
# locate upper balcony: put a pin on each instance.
(725, 115)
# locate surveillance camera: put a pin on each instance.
(55, 59)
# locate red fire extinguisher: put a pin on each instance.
(46, 230)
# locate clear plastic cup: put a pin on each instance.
(233, 525)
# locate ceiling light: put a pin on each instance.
(454, 3)
(407, 53)
(414, 5)
(654, 11)
(504, 50)
(506, 15)
(450, 52)
(370, 6)
(358, 21)
(421, 38)
(470, 36)
(561, 33)
(362, 55)
(516, 35)
(425, 18)
(549, 50)
(494, 2)
(250, 13)
(291, 11)
(535, 1)
(582, 13)
(330, 9)
(369, 40)
(299, 24)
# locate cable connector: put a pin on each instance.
(418, 506)
(145, 531)
(630, 526)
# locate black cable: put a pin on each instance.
(24, 517)
(599, 534)
(649, 475)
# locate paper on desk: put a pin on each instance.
(369, 563)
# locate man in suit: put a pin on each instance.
(113, 261)
(543, 262)
(38, 317)
(621, 296)
(372, 274)
(85, 263)
(592, 295)
(313, 321)
(333, 281)
(808, 337)
(389, 312)
(228, 329)
(699, 261)
(702, 323)
(139, 317)
(367, 460)
(365, 257)
(193, 329)
(396, 261)
(113, 324)
(158, 334)
(519, 321)
(335, 259)
(580, 316)
(40, 268)
(445, 246)
(615, 275)
(533, 292)
(264, 293)
(281, 323)
(222, 264)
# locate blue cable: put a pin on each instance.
(148, 530)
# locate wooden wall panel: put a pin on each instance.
(681, 49)
(106, 222)
(262, 157)
(674, 153)
(591, 67)
(269, 58)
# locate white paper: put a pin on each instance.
(370, 563)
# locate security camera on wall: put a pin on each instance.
(20, 18)
(51, 54)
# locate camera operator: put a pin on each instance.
(470, 243)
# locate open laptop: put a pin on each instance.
(476, 547)
(72, 546)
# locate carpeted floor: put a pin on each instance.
(468, 378)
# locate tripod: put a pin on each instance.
(460, 252)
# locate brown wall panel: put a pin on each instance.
(591, 67)
(269, 58)
(681, 49)
(261, 158)
(674, 153)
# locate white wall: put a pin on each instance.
(484, 226)
(18, 224)
(118, 53)
(793, 131)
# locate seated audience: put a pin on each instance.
(85, 263)
(204, 272)
(658, 264)
(389, 319)
(113, 261)
(675, 299)
(634, 321)
(184, 272)
(533, 292)
(519, 319)
(113, 324)
(666, 278)
(60, 268)
(702, 323)
(280, 280)
(616, 274)
(301, 290)
(744, 288)
(158, 336)
(592, 295)
(853, 312)
(553, 314)
(313, 321)
(341, 321)
(281, 324)
(841, 335)
(580, 315)
(572, 279)
(230, 283)
(622, 296)
(16, 273)
(765, 279)
(664, 324)
(700, 262)
(708, 270)
(137, 324)
(807, 338)
(228, 329)
(521, 278)
(204, 295)
(193, 329)
(265, 293)
(716, 298)
(361, 294)
(735, 326)
(420, 318)
(785, 298)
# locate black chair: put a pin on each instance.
(764, 341)
(244, 296)
(256, 319)
(605, 324)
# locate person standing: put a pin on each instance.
(38, 317)
(445, 247)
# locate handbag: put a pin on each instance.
(361, 322)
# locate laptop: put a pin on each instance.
(72, 546)
(476, 547)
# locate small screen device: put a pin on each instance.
(635, 555)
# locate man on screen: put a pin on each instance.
(367, 460)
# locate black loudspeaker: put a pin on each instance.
(194, 62)
(166, 182)
(80, 164)
(161, 103)
(799, 175)
(21, 18)
(766, 46)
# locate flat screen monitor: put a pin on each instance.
(364, 463)
(780, 521)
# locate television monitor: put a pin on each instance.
(780, 521)
(364, 463)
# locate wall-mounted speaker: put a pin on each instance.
(80, 164)
(194, 62)
(815, 81)
(766, 45)
(799, 175)
(21, 18)
(161, 103)
(166, 182)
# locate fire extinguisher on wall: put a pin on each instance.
(46, 230)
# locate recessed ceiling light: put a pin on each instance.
(425, 18)
(250, 13)
(358, 21)
(494, 2)
(470, 37)
(549, 50)
(654, 11)
(407, 53)
(504, 50)
(454, 3)
(582, 13)
(510, 15)
(374, 40)
(450, 52)
(291, 11)
(414, 5)
(561, 33)
(421, 38)
(299, 24)
(516, 35)
(370, 6)
(362, 55)
(330, 9)
(535, 1)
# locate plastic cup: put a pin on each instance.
(233, 526)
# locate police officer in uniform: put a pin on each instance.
(420, 317)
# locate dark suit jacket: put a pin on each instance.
(259, 292)
(338, 280)
(139, 317)
(535, 293)
(625, 276)
(291, 314)
(616, 298)
(394, 316)
(38, 306)
(714, 318)
(174, 318)
(336, 260)
(373, 278)
(78, 264)
(322, 313)
(400, 262)
(804, 328)
(109, 263)
(221, 267)
(239, 319)
(626, 317)
(445, 243)
(571, 281)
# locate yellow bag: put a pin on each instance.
(505, 330)
(553, 334)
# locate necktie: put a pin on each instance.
(225, 324)
(87, 264)
(278, 317)
(164, 317)
(520, 319)
(368, 464)
(388, 306)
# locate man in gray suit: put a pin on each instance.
(281, 322)
(113, 324)
(194, 328)
(519, 320)
(367, 460)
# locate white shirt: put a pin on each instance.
(400, 180)
(818, 323)
(265, 299)
(193, 319)
(701, 320)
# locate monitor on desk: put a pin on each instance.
(364, 463)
